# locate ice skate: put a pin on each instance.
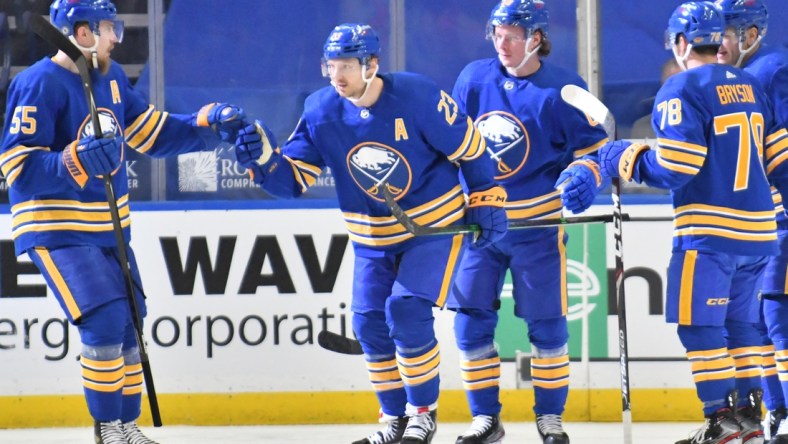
(134, 435)
(749, 418)
(551, 429)
(719, 428)
(391, 434)
(109, 433)
(780, 436)
(421, 428)
(773, 422)
(484, 430)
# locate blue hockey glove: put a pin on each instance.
(91, 157)
(256, 150)
(224, 119)
(487, 209)
(579, 183)
(619, 159)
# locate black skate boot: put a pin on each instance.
(551, 430)
(392, 434)
(109, 433)
(774, 421)
(421, 428)
(484, 430)
(721, 427)
(134, 435)
(749, 418)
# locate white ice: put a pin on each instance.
(580, 433)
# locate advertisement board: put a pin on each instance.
(237, 297)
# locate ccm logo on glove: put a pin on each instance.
(495, 197)
(629, 158)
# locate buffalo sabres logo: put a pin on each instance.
(107, 121)
(373, 164)
(507, 141)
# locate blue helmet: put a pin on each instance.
(352, 40)
(701, 23)
(65, 14)
(742, 14)
(527, 14)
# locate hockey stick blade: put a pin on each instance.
(339, 344)
(593, 107)
(421, 230)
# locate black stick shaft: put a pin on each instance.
(623, 349)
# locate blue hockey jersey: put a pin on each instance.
(714, 126)
(46, 110)
(411, 139)
(770, 67)
(532, 134)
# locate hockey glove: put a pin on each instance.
(579, 183)
(257, 151)
(487, 209)
(224, 119)
(619, 159)
(91, 157)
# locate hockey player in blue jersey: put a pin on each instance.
(746, 22)
(544, 151)
(402, 132)
(54, 165)
(713, 123)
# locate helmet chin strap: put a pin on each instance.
(528, 55)
(367, 82)
(681, 60)
(93, 49)
(743, 52)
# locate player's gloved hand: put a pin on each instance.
(579, 183)
(224, 119)
(619, 159)
(486, 208)
(91, 157)
(256, 150)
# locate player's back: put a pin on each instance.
(710, 124)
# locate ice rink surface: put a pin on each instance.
(579, 433)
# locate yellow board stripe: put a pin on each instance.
(345, 407)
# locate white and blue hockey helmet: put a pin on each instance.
(701, 24)
(65, 14)
(744, 14)
(531, 15)
(356, 40)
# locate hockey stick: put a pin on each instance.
(52, 36)
(424, 230)
(594, 108)
(339, 344)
